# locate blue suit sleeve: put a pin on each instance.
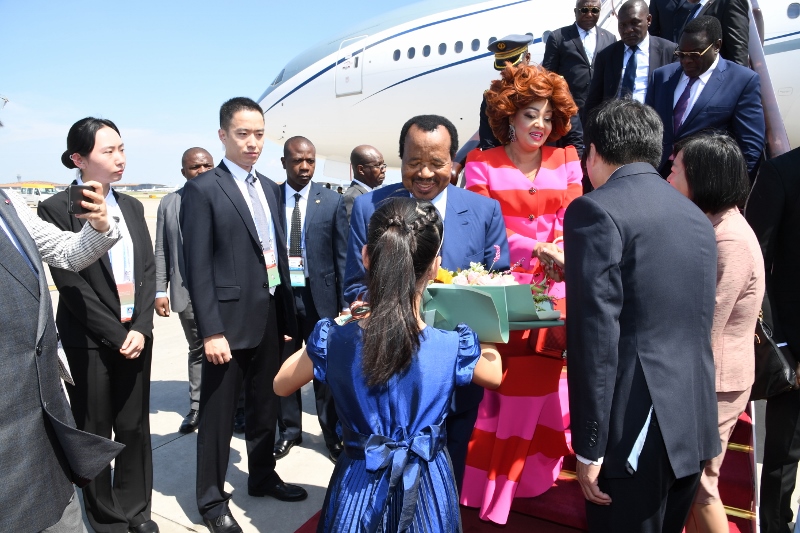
(354, 271)
(496, 236)
(748, 125)
(593, 253)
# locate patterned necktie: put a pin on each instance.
(682, 106)
(259, 216)
(629, 78)
(295, 232)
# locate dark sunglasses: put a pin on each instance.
(692, 55)
(587, 10)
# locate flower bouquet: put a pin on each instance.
(491, 303)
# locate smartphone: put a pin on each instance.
(75, 197)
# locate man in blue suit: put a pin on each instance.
(473, 226)
(315, 221)
(704, 91)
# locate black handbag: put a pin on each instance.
(774, 372)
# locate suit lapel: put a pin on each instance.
(227, 183)
(671, 85)
(576, 40)
(617, 66)
(132, 223)
(454, 227)
(11, 259)
(313, 204)
(707, 96)
(274, 209)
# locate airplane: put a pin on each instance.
(361, 85)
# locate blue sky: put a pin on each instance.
(159, 70)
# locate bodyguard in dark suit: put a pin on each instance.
(704, 91)
(773, 211)
(315, 222)
(105, 320)
(369, 171)
(473, 230)
(643, 408)
(618, 71)
(734, 16)
(668, 18)
(42, 453)
(171, 271)
(570, 51)
(238, 275)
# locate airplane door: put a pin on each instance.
(349, 69)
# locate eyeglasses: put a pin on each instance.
(692, 55)
(587, 10)
(381, 166)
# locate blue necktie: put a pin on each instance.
(629, 78)
(694, 11)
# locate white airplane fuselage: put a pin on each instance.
(431, 58)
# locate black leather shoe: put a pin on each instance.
(222, 524)
(280, 491)
(282, 447)
(190, 422)
(335, 451)
(238, 421)
(145, 527)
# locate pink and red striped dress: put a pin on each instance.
(520, 438)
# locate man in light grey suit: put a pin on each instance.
(369, 171)
(42, 453)
(170, 270)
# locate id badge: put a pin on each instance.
(273, 276)
(127, 296)
(297, 273)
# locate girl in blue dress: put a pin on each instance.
(392, 379)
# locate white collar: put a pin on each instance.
(367, 187)
(238, 172)
(581, 31)
(439, 202)
(644, 46)
(290, 192)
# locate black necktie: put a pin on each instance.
(295, 231)
(629, 78)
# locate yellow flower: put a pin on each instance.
(443, 276)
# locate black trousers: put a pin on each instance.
(650, 501)
(781, 454)
(290, 415)
(219, 393)
(113, 393)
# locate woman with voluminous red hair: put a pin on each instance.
(519, 440)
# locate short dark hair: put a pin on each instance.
(632, 4)
(297, 139)
(233, 106)
(80, 139)
(710, 25)
(625, 131)
(715, 171)
(430, 123)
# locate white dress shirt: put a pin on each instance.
(642, 68)
(589, 40)
(697, 88)
(289, 195)
(440, 203)
(240, 175)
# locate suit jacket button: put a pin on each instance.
(39, 349)
(532, 190)
(531, 217)
(266, 285)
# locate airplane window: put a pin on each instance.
(492, 39)
(396, 55)
(442, 49)
(476, 43)
(459, 47)
(426, 50)
(794, 10)
(411, 53)
(278, 78)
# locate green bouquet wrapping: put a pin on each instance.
(491, 311)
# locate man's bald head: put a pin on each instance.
(368, 165)
(295, 143)
(195, 161)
